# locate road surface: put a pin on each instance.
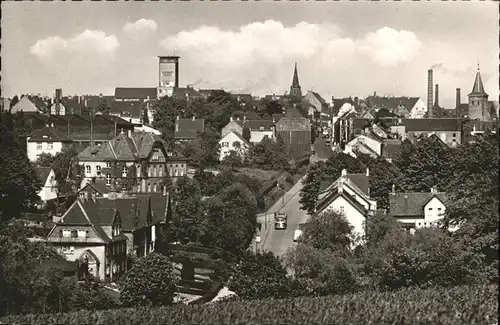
(278, 241)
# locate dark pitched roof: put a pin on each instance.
(39, 103)
(42, 173)
(99, 185)
(361, 180)
(187, 128)
(477, 88)
(186, 93)
(95, 101)
(293, 112)
(48, 133)
(431, 124)
(122, 148)
(325, 201)
(412, 204)
(141, 93)
(72, 105)
(293, 121)
(257, 124)
(391, 148)
(126, 109)
(391, 103)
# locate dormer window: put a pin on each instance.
(116, 230)
(124, 171)
(66, 233)
(108, 164)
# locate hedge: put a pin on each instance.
(448, 306)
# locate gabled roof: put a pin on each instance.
(412, 204)
(255, 125)
(358, 181)
(48, 133)
(319, 98)
(293, 112)
(99, 186)
(95, 101)
(42, 173)
(186, 93)
(126, 109)
(122, 148)
(391, 148)
(139, 93)
(431, 124)
(39, 103)
(189, 128)
(72, 105)
(240, 137)
(327, 200)
(391, 103)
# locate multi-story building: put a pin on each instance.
(138, 161)
(47, 140)
(295, 132)
(233, 141)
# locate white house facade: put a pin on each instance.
(419, 109)
(233, 142)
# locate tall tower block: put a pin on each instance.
(168, 80)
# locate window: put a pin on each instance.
(430, 209)
(155, 188)
(66, 233)
(71, 249)
(156, 155)
(454, 135)
(82, 233)
(108, 179)
(261, 128)
(88, 169)
(38, 146)
(149, 187)
(124, 187)
(98, 170)
(49, 146)
(108, 164)
(124, 171)
(439, 209)
(225, 144)
(160, 171)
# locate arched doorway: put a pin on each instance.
(90, 259)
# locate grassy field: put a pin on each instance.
(448, 306)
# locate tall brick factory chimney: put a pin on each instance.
(436, 96)
(429, 93)
(457, 104)
(57, 100)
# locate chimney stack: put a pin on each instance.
(429, 93)
(457, 104)
(436, 102)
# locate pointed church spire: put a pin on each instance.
(295, 89)
(478, 87)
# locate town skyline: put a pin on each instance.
(342, 49)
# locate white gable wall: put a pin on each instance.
(353, 215)
(419, 109)
(227, 144)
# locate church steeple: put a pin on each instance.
(478, 100)
(295, 89)
(478, 88)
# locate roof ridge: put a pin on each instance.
(112, 149)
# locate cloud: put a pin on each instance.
(251, 55)
(140, 25)
(96, 42)
(390, 47)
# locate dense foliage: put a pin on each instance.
(456, 306)
(150, 282)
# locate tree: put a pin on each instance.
(233, 160)
(328, 230)
(13, 102)
(207, 182)
(428, 258)
(31, 274)
(150, 282)
(473, 200)
(145, 116)
(19, 183)
(246, 134)
(186, 221)
(260, 276)
(165, 114)
(68, 172)
(269, 155)
(425, 165)
(379, 227)
(45, 160)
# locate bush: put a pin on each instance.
(456, 306)
(150, 282)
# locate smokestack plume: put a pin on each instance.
(457, 104)
(429, 93)
(436, 102)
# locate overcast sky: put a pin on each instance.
(341, 48)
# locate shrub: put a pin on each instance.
(150, 282)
